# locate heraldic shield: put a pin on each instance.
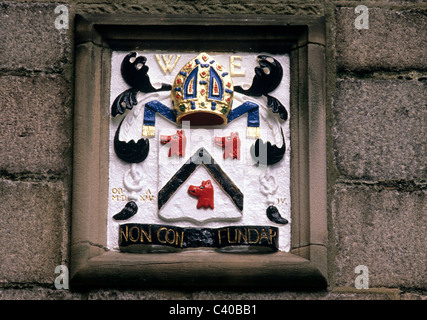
(199, 152)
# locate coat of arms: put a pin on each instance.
(199, 152)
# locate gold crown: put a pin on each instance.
(202, 92)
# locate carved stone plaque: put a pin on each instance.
(190, 147)
(199, 152)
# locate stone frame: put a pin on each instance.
(305, 266)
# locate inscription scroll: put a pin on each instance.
(177, 237)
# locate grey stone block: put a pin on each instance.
(204, 7)
(288, 295)
(36, 124)
(414, 296)
(29, 39)
(380, 129)
(395, 40)
(134, 294)
(385, 231)
(39, 293)
(33, 231)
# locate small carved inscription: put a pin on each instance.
(147, 196)
(168, 64)
(118, 194)
(235, 65)
(281, 200)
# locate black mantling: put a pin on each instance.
(131, 152)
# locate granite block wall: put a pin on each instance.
(376, 145)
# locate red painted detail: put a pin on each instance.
(177, 143)
(205, 193)
(230, 145)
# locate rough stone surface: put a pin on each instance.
(322, 295)
(385, 231)
(33, 231)
(35, 125)
(30, 40)
(39, 293)
(104, 294)
(42, 293)
(395, 40)
(413, 296)
(206, 7)
(380, 129)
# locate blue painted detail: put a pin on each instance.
(252, 109)
(228, 91)
(213, 107)
(183, 73)
(203, 82)
(214, 103)
(178, 89)
(204, 65)
(197, 61)
(214, 75)
(153, 107)
(193, 105)
(224, 74)
(212, 61)
(191, 76)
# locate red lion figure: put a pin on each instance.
(205, 193)
(177, 142)
(230, 145)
